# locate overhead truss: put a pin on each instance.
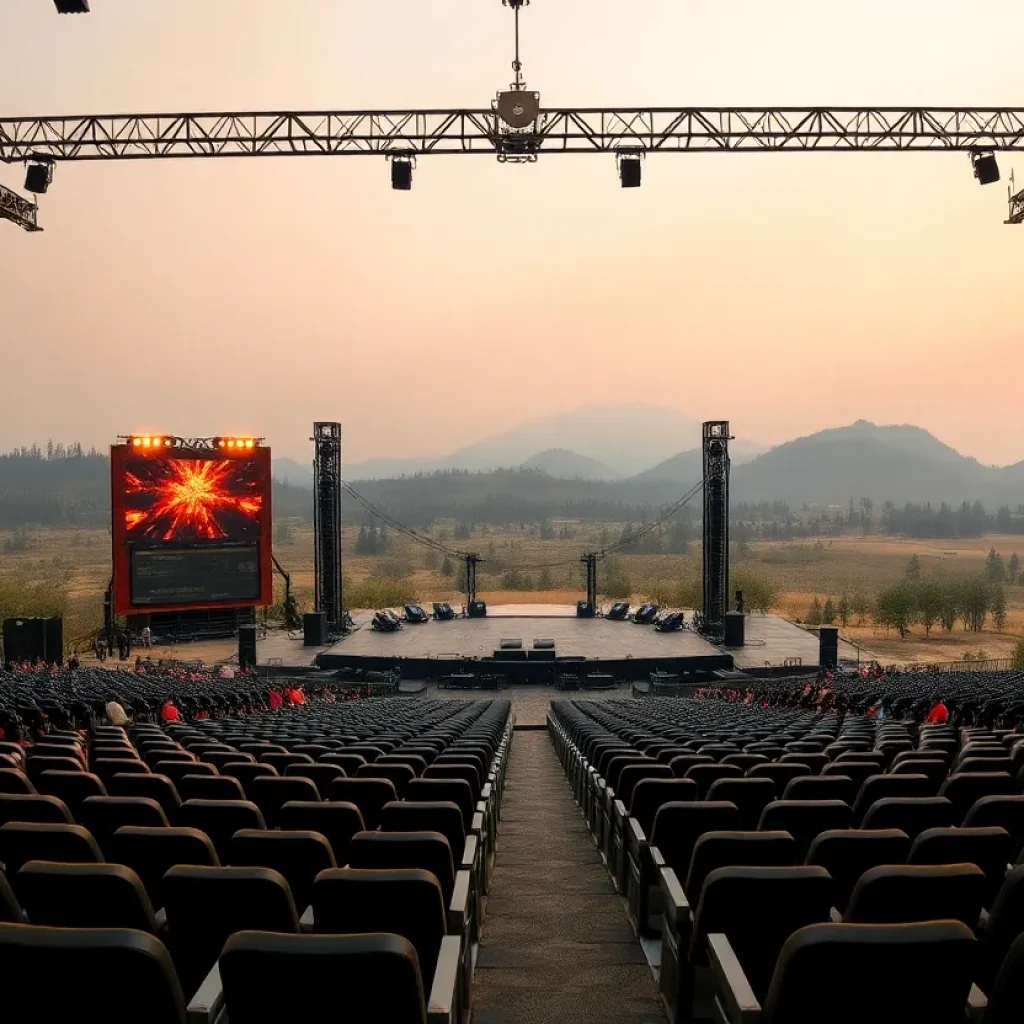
(16, 208)
(425, 132)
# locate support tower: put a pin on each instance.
(327, 523)
(716, 526)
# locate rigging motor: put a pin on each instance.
(517, 108)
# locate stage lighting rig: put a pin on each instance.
(1016, 203)
(986, 170)
(71, 6)
(39, 174)
(18, 210)
(630, 167)
(517, 108)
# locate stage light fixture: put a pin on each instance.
(401, 172)
(231, 443)
(71, 6)
(630, 169)
(146, 442)
(248, 444)
(38, 176)
(986, 170)
(136, 441)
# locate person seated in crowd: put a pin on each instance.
(169, 712)
(116, 714)
(939, 713)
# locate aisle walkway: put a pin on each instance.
(556, 946)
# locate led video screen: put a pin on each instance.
(190, 529)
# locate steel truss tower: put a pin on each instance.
(327, 523)
(716, 526)
(589, 561)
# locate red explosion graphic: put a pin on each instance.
(192, 500)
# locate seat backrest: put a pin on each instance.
(707, 774)
(369, 795)
(210, 787)
(820, 787)
(270, 792)
(678, 826)
(369, 977)
(21, 842)
(151, 852)
(804, 819)
(84, 896)
(299, 856)
(635, 773)
(988, 848)
(74, 958)
(400, 775)
(750, 794)
(321, 775)
(650, 794)
(905, 893)
(349, 763)
(439, 816)
(457, 791)
(715, 850)
(468, 772)
(246, 771)
(757, 909)
(964, 790)
(912, 814)
(778, 772)
(13, 780)
(847, 853)
(426, 850)
(335, 820)
(1004, 811)
(917, 972)
(104, 815)
(221, 819)
(881, 787)
(71, 787)
(403, 901)
(154, 787)
(33, 807)
(35, 766)
(206, 905)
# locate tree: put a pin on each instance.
(860, 606)
(843, 610)
(544, 579)
(759, 592)
(828, 613)
(896, 607)
(913, 570)
(998, 606)
(949, 606)
(1013, 568)
(814, 612)
(1018, 655)
(975, 598)
(929, 604)
(995, 571)
(447, 569)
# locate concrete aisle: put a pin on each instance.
(556, 945)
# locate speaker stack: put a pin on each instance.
(34, 639)
(246, 646)
(828, 646)
(314, 629)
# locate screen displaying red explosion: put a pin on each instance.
(190, 501)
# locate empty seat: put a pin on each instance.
(21, 842)
(912, 815)
(847, 853)
(175, 770)
(71, 787)
(706, 774)
(336, 821)
(455, 771)
(270, 793)
(426, 850)
(35, 766)
(651, 794)
(963, 791)
(458, 791)
(779, 773)
(804, 819)
(152, 787)
(84, 896)
(369, 795)
(904, 894)
(682, 763)
(399, 775)
(820, 787)
(104, 815)
(299, 856)
(750, 795)
(348, 763)
(246, 771)
(715, 850)
(209, 787)
(151, 852)
(678, 826)
(281, 760)
(882, 787)
(988, 848)
(206, 905)
(1004, 811)
(58, 972)
(13, 780)
(221, 819)
(417, 763)
(321, 775)
(814, 760)
(33, 807)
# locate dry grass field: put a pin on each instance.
(73, 566)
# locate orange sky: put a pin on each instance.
(785, 293)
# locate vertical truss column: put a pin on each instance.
(472, 561)
(589, 560)
(327, 522)
(716, 525)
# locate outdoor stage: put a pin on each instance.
(623, 649)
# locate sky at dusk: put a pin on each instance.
(785, 293)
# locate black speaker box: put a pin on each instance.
(53, 640)
(246, 646)
(19, 638)
(477, 609)
(735, 629)
(584, 610)
(314, 629)
(828, 646)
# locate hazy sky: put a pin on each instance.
(785, 293)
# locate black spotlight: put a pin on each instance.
(71, 6)
(986, 170)
(630, 173)
(38, 177)
(401, 173)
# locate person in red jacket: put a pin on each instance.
(276, 700)
(169, 713)
(939, 714)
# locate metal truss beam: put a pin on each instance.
(425, 132)
(19, 210)
(1016, 209)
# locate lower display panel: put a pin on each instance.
(195, 575)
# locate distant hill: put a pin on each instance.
(885, 463)
(627, 438)
(288, 471)
(686, 466)
(566, 465)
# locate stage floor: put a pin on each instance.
(770, 640)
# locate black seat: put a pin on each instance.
(678, 826)
(820, 787)
(988, 848)
(963, 791)
(847, 853)
(209, 787)
(751, 795)
(321, 775)
(426, 850)
(804, 819)
(246, 771)
(270, 793)
(399, 775)
(153, 787)
(883, 787)
(911, 814)
(904, 894)
(21, 842)
(84, 896)
(221, 819)
(104, 815)
(13, 780)
(281, 760)
(781, 774)
(446, 818)
(71, 787)
(707, 774)
(457, 791)
(715, 850)
(175, 770)
(35, 766)
(335, 820)
(1005, 922)
(369, 795)
(1003, 811)
(348, 763)
(299, 856)
(206, 905)
(151, 852)
(33, 807)
(57, 972)
(271, 978)
(651, 794)
(811, 982)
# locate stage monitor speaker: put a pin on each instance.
(828, 647)
(314, 629)
(477, 609)
(735, 629)
(53, 640)
(22, 640)
(584, 610)
(246, 646)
